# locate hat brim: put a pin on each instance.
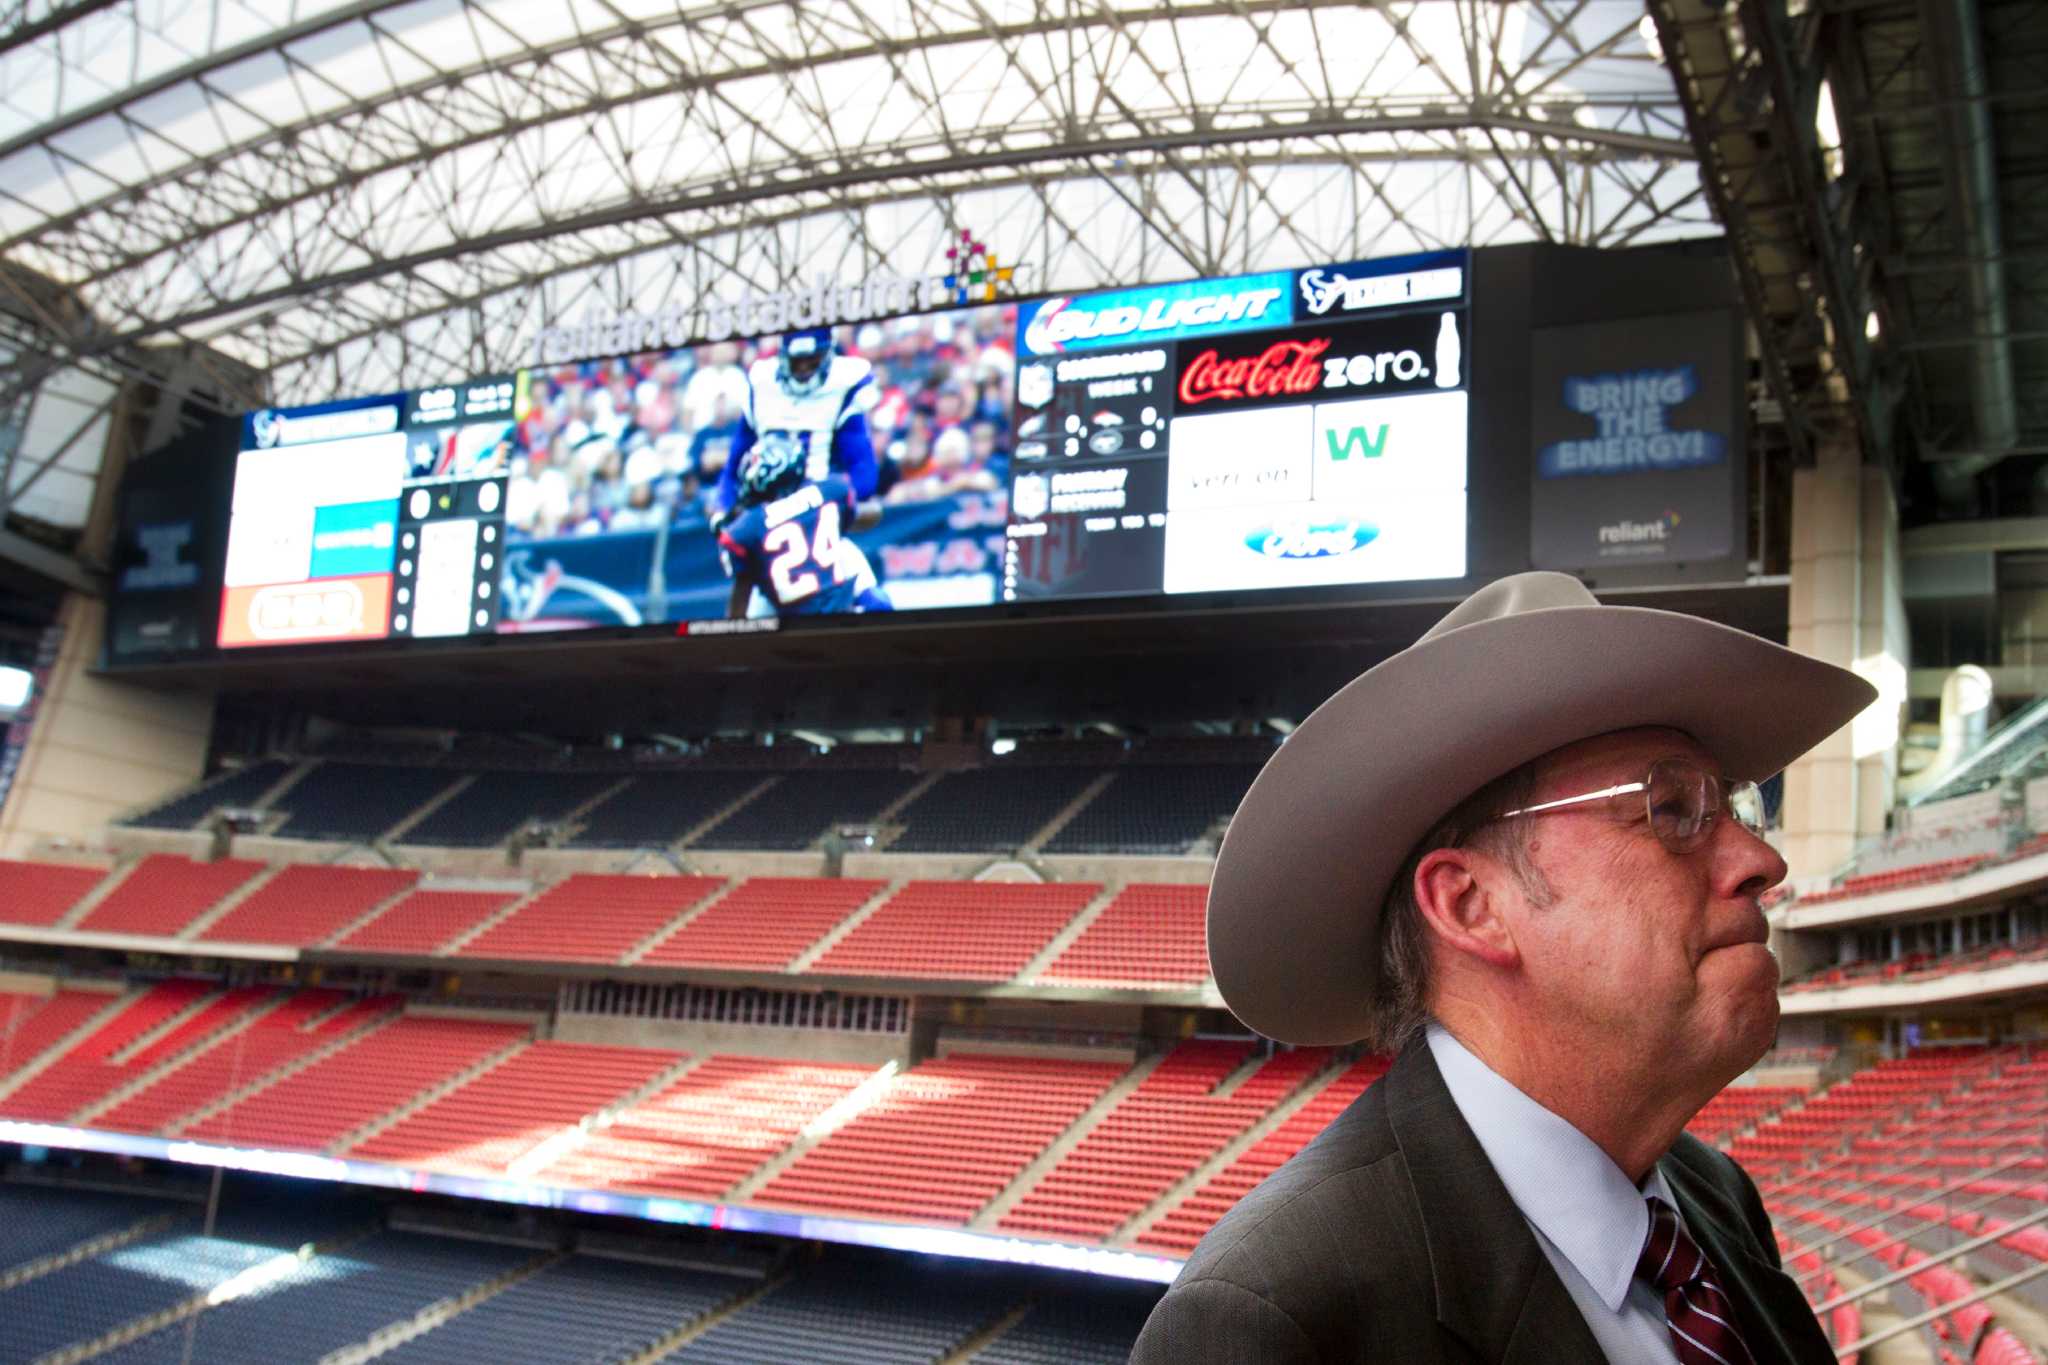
(1295, 899)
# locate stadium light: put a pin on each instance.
(17, 685)
(1002, 746)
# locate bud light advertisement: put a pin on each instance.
(1636, 443)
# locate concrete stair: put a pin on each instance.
(557, 1145)
(722, 814)
(226, 904)
(1126, 1235)
(396, 833)
(270, 1078)
(360, 920)
(803, 960)
(1076, 927)
(1007, 1198)
(1051, 828)
(490, 922)
(49, 1056)
(677, 921)
(275, 792)
(387, 1339)
(887, 814)
(84, 1117)
(570, 818)
(689, 1332)
(106, 886)
(987, 1336)
(426, 1097)
(85, 1251)
(849, 1107)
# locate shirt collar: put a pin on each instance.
(1568, 1189)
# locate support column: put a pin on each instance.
(1847, 608)
(97, 747)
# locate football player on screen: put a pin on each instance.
(818, 398)
(788, 543)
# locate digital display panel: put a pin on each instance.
(1293, 430)
(1287, 429)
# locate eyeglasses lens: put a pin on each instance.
(1677, 797)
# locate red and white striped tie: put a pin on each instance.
(1701, 1319)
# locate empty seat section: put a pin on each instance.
(1098, 1327)
(1156, 1135)
(944, 1138)
(1740, 1107)
(1156, 809)
(426, 921)
(701, 1133)
(94, 1065)
(482, 1127)
(488, 810)
(358, 801)
(880, 1311)
(959, 931)
(243, 787)
(1176, 1232)
(309, 1020)
(660, 808)
(40, 893)
(582, 1308)
(330, 1302)
(801, 806)
(315, 1108)
(590, 918)
(164, 893)
(302, 904)
(30, 1025)
(763, 922)
(1148, 936)
(987, 810)
(40, 1220)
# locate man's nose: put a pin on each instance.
(1744, 864)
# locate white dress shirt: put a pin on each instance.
(1589, 1220)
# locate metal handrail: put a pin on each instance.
(1910, 1324)
(1977, 1243)
(1887, 1215)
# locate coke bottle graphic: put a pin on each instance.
(1448, 352)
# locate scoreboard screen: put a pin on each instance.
(1283, 430)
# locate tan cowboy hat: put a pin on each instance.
(1523, 666)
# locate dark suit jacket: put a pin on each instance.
(1391, 1239)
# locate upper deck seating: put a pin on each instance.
(1159, 808)
(41, 893)
(660, 808)
(123, 1049)
(798, 810)
(164, 893)
(30, 1025)
(426, 921)
(987, 810)
(242, 787)
(358, 802)
(490, 809)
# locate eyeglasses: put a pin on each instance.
(1681, 801)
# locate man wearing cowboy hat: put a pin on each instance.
(1524, 855)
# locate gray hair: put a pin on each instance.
(1399, 1005)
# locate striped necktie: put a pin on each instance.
(1701, 1319)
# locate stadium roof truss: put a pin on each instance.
(374, 195)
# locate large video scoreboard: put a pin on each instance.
(1287, 429)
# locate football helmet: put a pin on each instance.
(772, 467)
(806, 356)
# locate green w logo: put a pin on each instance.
(1369, 442)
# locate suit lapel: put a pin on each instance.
(1776, 1319)
(1494, 1287)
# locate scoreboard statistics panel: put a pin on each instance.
(1292, 429)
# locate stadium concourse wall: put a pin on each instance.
(96, 746)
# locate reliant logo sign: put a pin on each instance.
(1196, 308)
(1628, 539)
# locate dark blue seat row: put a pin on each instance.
(864, 1311)
(1094, 1324)
(240, 788)
(36, 1221)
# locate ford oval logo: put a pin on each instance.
(1319, 540)
(1106, 442)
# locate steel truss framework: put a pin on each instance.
(371, 195)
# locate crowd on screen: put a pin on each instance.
(626, 443)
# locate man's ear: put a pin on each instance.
(1463, 895)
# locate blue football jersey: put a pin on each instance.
(793, 549)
